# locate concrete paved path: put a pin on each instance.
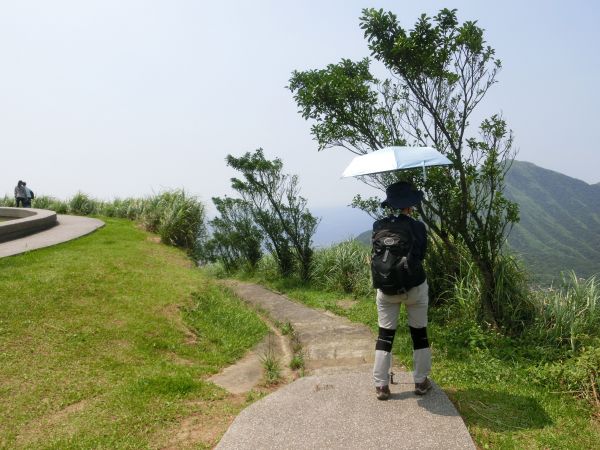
(327, 340)
(335, 406)
(68, 228)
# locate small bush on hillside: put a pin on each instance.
(43, 202)
(268, 267)
(216, 269)
(514, 309)
(463, 295)
(8, 201)
(443, 269)
(51, 203)
(82, 205)
(181, 219)
(129, 208)
(59, 207)
(149, 212)
(343, 267)
(569, 315)
(512, 297)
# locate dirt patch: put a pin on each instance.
(179, 360)
(346, 303)
(118, 323)
(206, 426)
(173, 312)
(121, 344)
(155, 239)
(49, 422)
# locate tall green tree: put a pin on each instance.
(441, 70)
(236, 239)
(277, 208)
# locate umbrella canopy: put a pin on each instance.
(389, 159)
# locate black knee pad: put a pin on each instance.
(385, 339)
(419, 337)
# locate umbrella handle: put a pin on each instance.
(424, 180)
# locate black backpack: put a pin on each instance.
(392, 268)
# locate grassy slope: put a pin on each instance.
(95, 350)
(489, 379)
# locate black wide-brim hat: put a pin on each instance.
(401, 195)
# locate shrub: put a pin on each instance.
(8, 201)
(51, 203)
(569, 315)
(443, 269)
(512, 296)
(514, 310)
(82, 205)
(216, 269)
(465, 293)
(343, 267)
(181, 219)
(148, 212)
(268, 267)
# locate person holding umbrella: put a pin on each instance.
(399, 247)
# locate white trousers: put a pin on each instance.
(416, 301)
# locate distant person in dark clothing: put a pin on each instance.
(20, 194)
(399, 247)
(29, 197)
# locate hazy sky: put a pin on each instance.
(125, 98)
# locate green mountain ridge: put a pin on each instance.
(559, 228)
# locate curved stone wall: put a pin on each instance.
(24, 221)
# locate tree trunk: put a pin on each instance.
(305, 260)
(488, 295)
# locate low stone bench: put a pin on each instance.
(24, 221)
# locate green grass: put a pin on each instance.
(494, 381)
(106, 342)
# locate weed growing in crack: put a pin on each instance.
(287, 329)
(297, 362)
(272, 368)
(253, 396)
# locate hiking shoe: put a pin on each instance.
(383, 392)
(423, 387)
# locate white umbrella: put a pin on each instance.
(389, 159)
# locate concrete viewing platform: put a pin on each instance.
(19, 222)
(65, 229)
